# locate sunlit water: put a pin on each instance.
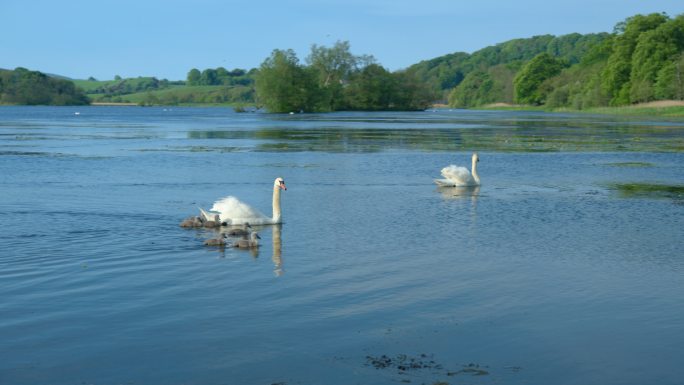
(548, 274)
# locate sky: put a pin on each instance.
(167, 38)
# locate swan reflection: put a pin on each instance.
(277, 250)
(452, 193)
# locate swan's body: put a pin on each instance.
(250, 243)
(457, 176)
(234, 212)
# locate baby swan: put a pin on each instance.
(220, 241)
(192, 222)
(215, 223)
(251, 243)
(240, 232)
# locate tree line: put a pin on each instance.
(334, 79)
(25, 87)
(641, 61)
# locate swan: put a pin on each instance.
(240, 232)
(234, 212)
(457, 176)
(215, 222)
(250, 243)
(220, 241)
(192, 222)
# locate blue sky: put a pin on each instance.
(104, 38)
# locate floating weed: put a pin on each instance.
(649, 190)
(631, 164)
(471, 369)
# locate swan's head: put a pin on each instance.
(279, 183)
(475, 157)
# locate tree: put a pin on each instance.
(332, 67)
(283, 85)
(193, 78)
(528, 81)
(616, 75)
(370, 89)
(655, 49)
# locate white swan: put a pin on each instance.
(457, 176)
(234, 212)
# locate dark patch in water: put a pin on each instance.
(631, 164)
(649, 190)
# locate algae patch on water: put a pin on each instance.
(649, 190)
(631, 164)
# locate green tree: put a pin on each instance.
(283, 85)
(616, 75)
(370, 89)
(655, 49)
(194, 76)
(333, 67)
(670, 80)
(528, 81)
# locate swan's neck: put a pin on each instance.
(474, 172)
(276, 204)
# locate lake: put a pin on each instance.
(565, 267)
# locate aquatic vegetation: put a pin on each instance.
(649, 190)
(631, 164)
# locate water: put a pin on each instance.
(548, 274)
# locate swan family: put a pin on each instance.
(230, 211)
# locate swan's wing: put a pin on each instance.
(457, 175)
(207, 215)
(233, 211)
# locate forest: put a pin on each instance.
(642, 60)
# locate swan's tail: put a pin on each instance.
(444, 183)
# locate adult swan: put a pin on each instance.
(457, 176)
(233, 212)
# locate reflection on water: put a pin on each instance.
(277, 250)
(460, 192)
(558, 261)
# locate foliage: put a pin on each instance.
(184, 95)
(334, 80)
(220, 77)
(22, 86)
(445, 73)
(528, 81)
(616, 75)
(283, 85)
(115, 87)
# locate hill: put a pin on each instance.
(24, 87)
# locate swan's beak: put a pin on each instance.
(258, 236)
(282, 186)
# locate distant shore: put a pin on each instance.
(665, 108)
(112, 104)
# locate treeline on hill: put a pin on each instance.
(25, 87)
(641, 61)
(334, 79)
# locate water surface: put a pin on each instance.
(554, 271)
